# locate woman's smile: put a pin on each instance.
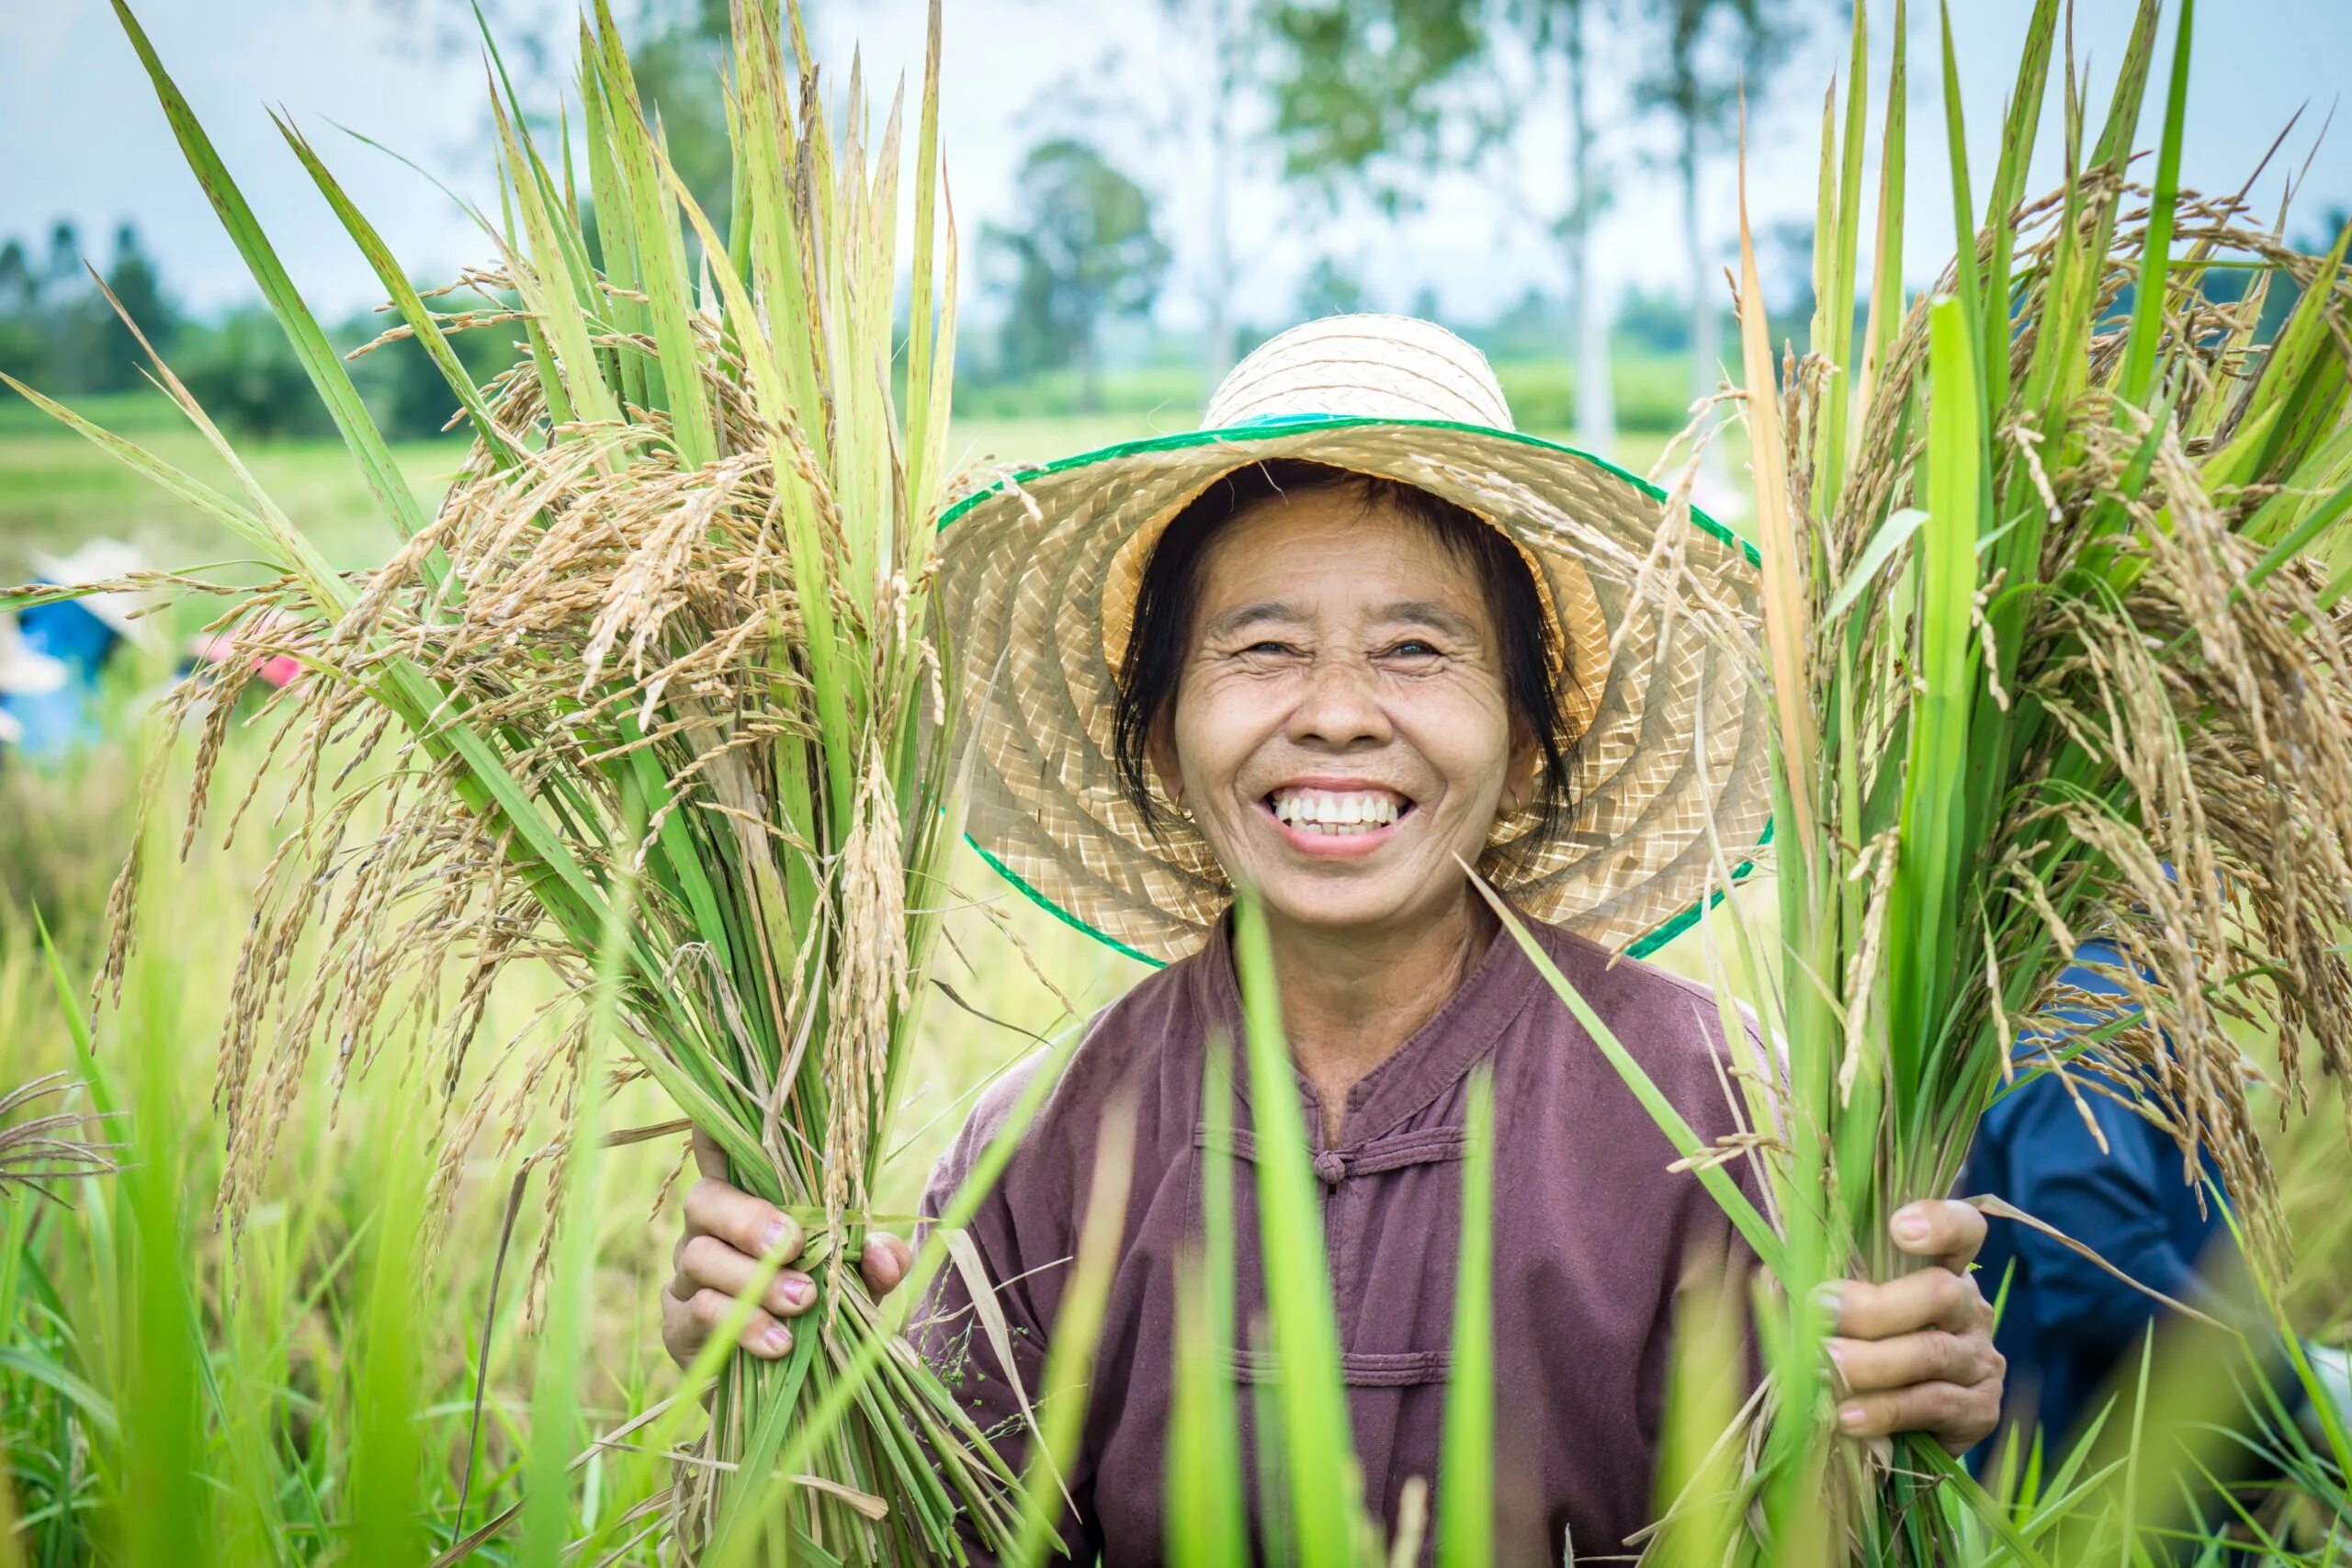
(1337, 819)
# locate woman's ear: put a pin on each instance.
(1159, 751)
(1518, 771)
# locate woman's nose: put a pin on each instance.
(1339, 704)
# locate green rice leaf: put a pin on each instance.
(659, 250)
(1891, 536)
(1078, 1329)
(1203, 1439)
(540, 277)
(1886, 267)
(1837, 303)
(1735, 1204)
(1465, 1500)
(411, 307)
(1964, 206)
(320, 361)
(1921, 939)
(1317, 1442)
(2148, 307)
(2009, 191)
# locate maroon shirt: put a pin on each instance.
(1593, 1235)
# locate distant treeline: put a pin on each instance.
(59, 335)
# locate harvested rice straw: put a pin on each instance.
(2056, 634)
(684, 570)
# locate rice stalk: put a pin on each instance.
(669, 630)
(2055, 649)
(52, 1147)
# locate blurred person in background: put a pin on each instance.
(82, 638)
(2105, 1175)
(26, 675)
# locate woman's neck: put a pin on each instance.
(1350, 1000)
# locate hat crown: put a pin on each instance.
(1362, 366)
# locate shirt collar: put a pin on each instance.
(1432, 1060)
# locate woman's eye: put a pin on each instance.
(1270, 649)
(1412, 648)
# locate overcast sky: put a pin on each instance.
(81, 136)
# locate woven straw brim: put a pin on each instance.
(1034, 567)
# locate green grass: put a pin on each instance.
(307, 1369)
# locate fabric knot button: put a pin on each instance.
(1329, 1166)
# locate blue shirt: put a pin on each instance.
(54, 723)
(2067, 1323)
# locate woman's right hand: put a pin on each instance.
(729, 1232)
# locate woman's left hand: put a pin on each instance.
(1917, 1352)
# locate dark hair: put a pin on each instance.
(1534, 671)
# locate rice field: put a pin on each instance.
(620, 792)
(273, 1389)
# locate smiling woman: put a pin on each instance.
(1368, 673)
(1521, 634)
(1341, 690)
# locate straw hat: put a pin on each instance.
(1038, 580)
(101, 560)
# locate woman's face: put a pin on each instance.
(1340, 732)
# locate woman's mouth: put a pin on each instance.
(1336, 820)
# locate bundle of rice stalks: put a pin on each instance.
(2055, 652)
(657, 684)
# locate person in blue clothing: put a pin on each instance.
(2067, 1324)
(79, 638)
(25, 675)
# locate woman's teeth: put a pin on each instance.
(1325, 811)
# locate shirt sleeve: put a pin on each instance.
(2112, 1201)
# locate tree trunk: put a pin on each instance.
(1090, 386)
(1706, 312)
(1587, 318)
(1714, 490)
(1217, 351)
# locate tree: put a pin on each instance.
(1596, 391)
(1226, 38)
(20, 338)
(1082, 251)
(1332, 289)
(65, 267)
(1360, 90)
(1372, 88)
(115, 354)
(1696, 82)
(19, 290)
(244, 373)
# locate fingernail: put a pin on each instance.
(1911, 1225)
(773, 1238)
(1849, 1415)
(778, 1339)
(799, 1289)
(1829, 1296)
